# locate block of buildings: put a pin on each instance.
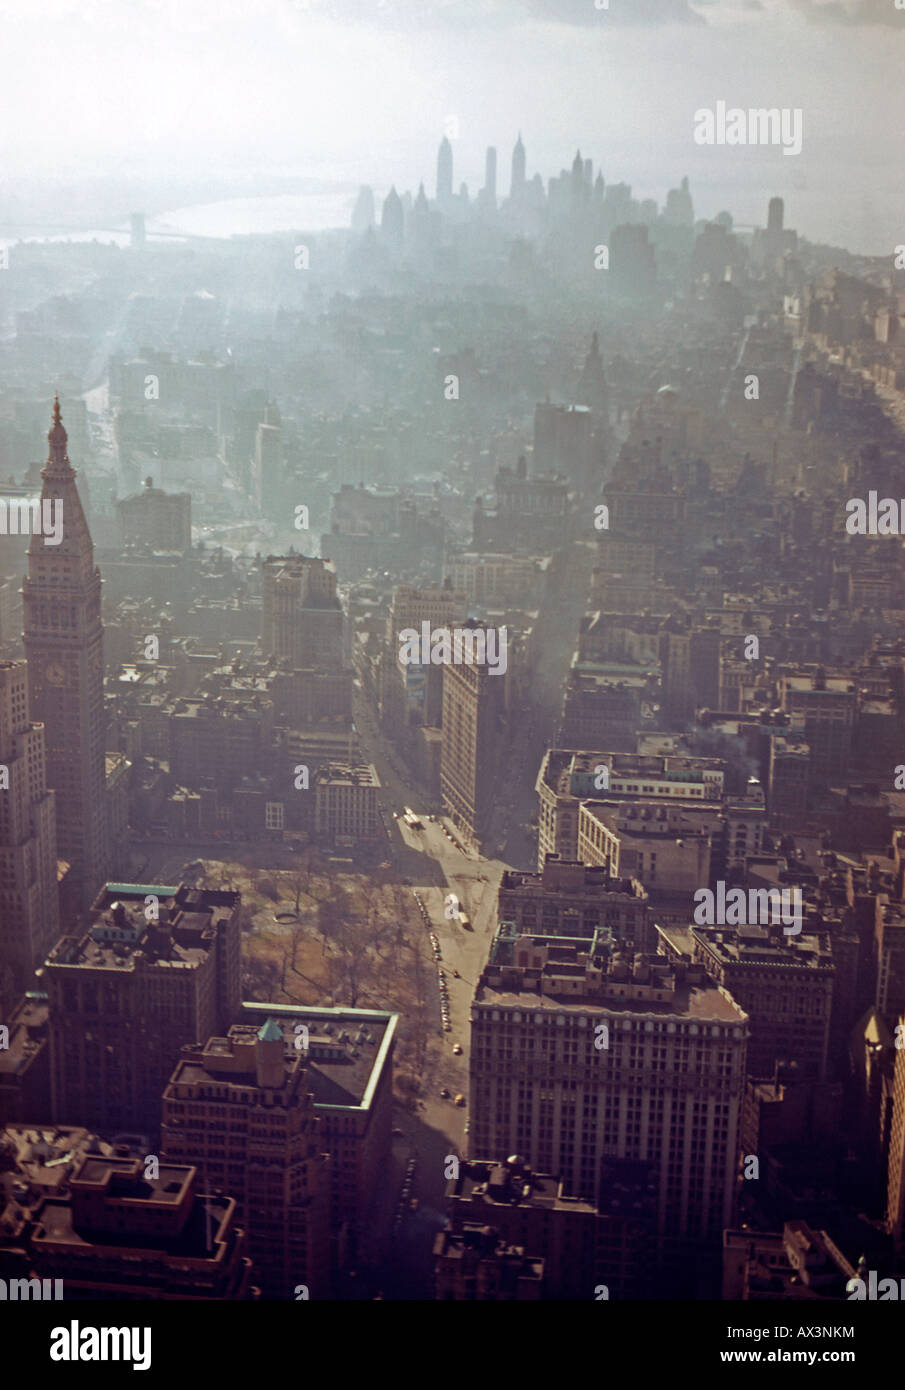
(475, 1264)
(111, 1227)
(159, 967)
(238, 1107)
(784, 982)
(569, 898)
(580, 1052)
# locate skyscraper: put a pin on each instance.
(582, 1051)
(895, 1202)
(392, 218)
(592, 386)
(490, 178)
(518, 168)
(363, 215)
(473, 704)
(29, 921)
(302, 618)
(269, 1154)
(444, 171)
(158, 968)
(63, 638)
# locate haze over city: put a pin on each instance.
(351, 93)
(452, 677)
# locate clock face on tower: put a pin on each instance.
(54, 673)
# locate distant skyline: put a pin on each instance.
(355, 92)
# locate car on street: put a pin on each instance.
(457, 1049)
(444, 1092)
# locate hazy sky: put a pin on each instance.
(362, 89)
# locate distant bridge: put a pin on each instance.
(41, 229)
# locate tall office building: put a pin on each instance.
(411, 691)
(581, 1053)
(156, 520)
(565, 443)
(63, 640)
(895, 1199)
(302, 618)
(578, 1245)
(784, 982)
(29, 919)
(350, 1072)
(267, 468)
(473, 707)
(518, 168)
(240, 1107)
(444, 171)
(159, 968)
(392, 219)
(592, 385)
(490, 178)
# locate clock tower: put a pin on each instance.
(61, 599)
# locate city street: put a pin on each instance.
(433, 863)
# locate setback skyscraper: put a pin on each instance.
(29, 921)
(63, 638)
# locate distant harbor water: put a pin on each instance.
(251, 216)
(282, 212)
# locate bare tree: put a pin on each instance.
(261, 978)
(298, 932)
(298, 884)
(353, 963)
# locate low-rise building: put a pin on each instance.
(346, 801)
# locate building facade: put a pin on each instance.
(29, 915)
(580, 1053)
(63, 639)
(239, 1108)
(158, 968)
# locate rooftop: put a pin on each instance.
(120, 936)
(347, 1048)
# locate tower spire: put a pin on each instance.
(57, 438)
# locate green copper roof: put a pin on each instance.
(270, 1032)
